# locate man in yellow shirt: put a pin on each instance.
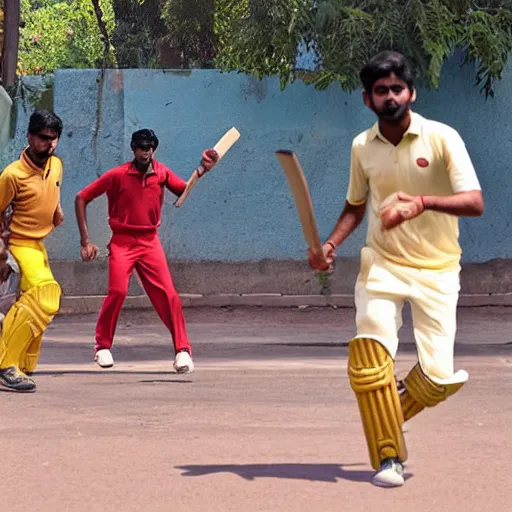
(31, 186)
(416, 178)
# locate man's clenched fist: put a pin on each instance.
(398, 208)
(209, 158)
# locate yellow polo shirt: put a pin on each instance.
(34, 194)
(430, 160)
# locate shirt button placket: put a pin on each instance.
(396, 155)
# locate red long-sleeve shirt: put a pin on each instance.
(134, 199)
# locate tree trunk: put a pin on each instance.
(11, 40)
(185, 59)
(105, 39)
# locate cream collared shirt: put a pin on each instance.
(431, 159)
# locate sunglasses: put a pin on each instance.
(48, 138)
(145, 147)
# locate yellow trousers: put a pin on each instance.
(27, 320)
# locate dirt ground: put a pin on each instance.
(266, 423)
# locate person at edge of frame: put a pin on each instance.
(30, 188)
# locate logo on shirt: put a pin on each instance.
(422, 162)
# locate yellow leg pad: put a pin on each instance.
(29, 360)
(26, 321)
(421, 392)
(371, 373)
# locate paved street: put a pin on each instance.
(267, 423)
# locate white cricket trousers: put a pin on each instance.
(381, 290)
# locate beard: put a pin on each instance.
(44, 155)
(392, 112)
(143, 162)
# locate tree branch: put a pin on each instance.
(103, 35)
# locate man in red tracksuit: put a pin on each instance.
(135, 192)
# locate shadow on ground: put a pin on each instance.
(113, 373)
(310, 472)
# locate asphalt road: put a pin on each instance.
(266, 423)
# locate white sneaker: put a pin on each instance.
(104, 358)
(390, 474)
(183, 362)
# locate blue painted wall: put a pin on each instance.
(243, 210)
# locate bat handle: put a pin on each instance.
(201, 171)
(317, 249)
(329, 270)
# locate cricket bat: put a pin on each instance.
(299, 186)
(222, 147)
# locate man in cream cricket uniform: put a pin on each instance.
(31, 186)
(416, 178)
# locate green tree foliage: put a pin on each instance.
(190, 30)
(138, 30)
(61, 34)
(261, 37)
(161, 33)
(143, 34)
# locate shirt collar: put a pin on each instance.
(30, 165)
(134, 170)
(414, 128)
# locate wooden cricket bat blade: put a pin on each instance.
(225, 143)
(298, 184)
(222, 147)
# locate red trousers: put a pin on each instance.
(145, 255)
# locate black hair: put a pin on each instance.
(145, 135)
(384, 64)
(44, 120)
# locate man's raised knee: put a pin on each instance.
(421, 391)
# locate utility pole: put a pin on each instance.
(11, 40)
